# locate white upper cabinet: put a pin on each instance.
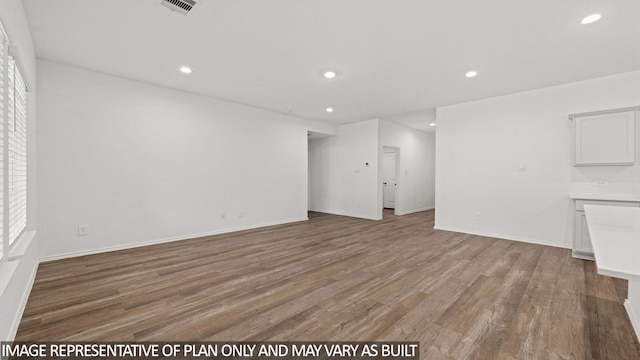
(604, 138)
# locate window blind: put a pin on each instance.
(17, 147)
(3, 57)
(13, 147)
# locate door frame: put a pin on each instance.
(398, 203)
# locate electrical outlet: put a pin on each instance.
(241, 213)
(83, 230)
(522, 167)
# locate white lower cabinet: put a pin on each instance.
(582, 247)
(582, 241)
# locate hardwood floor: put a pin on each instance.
(340, 278)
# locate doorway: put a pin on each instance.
(390, 162)
(316, 170)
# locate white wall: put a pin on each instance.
(416, 176)
(139, 163)
(16, 276)
(340, 182)
(481, 145)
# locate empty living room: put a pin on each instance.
(319, 179)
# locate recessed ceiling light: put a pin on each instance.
(330, 74)
(471, 74)
(590, 19)
(432, 124)
(186, 70)
(329, 110)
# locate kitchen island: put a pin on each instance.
(615, 237)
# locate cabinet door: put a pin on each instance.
(606, 139)
(582, 239)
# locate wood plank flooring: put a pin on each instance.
(340, 278)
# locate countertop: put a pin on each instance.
(615, 236)
(604, 196)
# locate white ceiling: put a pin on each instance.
(395, 59)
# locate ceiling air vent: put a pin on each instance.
(181, 6)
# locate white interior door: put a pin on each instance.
(389, 181)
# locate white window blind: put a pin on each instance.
(17, 147)
(3, 75)
(13, 147)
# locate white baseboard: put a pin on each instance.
(501, 236)
(583, 256)
(339, 213)
(370, 218)
(407, 212)
(165, 240)
(635, 320)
